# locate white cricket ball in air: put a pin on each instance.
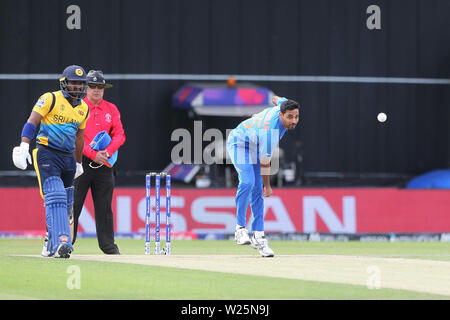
(382, 117)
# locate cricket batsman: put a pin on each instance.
(62, 117)
(250, 146)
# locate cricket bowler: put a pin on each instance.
(250, 146)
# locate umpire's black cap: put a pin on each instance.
(97, 77)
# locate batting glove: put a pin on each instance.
(79, 170)
(21, 156)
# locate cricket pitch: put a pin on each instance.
(374, 272)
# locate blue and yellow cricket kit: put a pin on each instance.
(54, 160)
(252, 139)
(60, 121)
(56, 137)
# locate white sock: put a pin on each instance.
(259, 234)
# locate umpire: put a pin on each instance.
(98, 174)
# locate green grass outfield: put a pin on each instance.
(26, 277)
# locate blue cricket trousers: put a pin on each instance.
(250, 190)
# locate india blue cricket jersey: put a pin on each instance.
(259, 134)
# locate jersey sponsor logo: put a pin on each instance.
(81, 113)
(40, 103)
(63, 119)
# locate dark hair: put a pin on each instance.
(289, 105)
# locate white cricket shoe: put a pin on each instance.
(262, 245)
(45, 252)
(241, 236)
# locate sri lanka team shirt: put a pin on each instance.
(60, 121)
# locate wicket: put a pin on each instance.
(148, 184)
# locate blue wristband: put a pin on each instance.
(28, 130)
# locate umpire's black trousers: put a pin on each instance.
(101, 183)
